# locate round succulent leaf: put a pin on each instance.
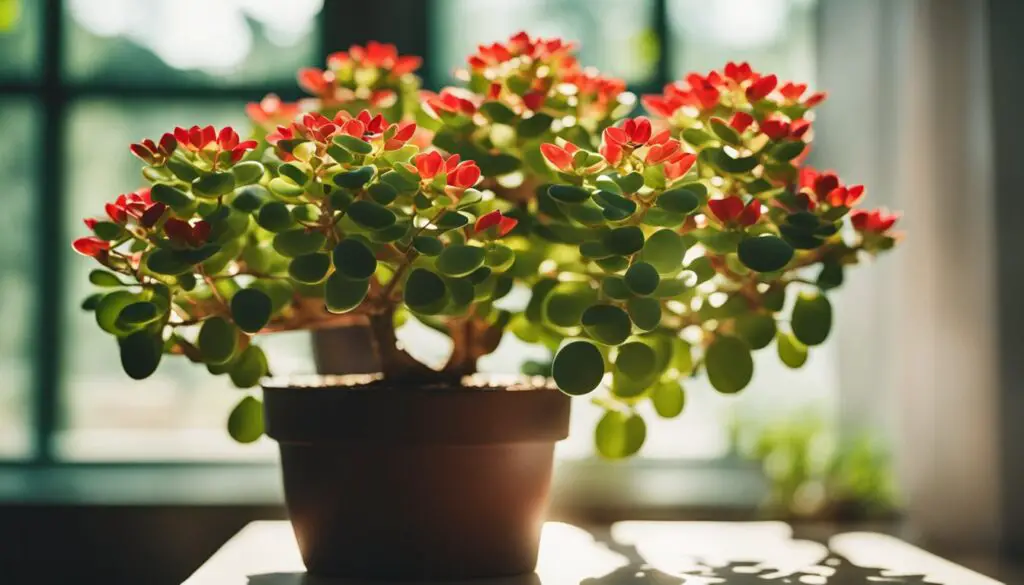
(619, 435)
(729, 364)
(630, 183)
(681, 200)
(590, 213)
(138, 314)
(284, 187)
(625, 240)
(460, 260)
(725, 132)
(249, 367)
(664, 250)
(499, 257)
(393, 233)
(298, 242)
(791, 351)
(568, 193)
(245, 423)
(610, 201)
(251, 309)
(109, 308)
(614, 287)
(247, 172)
(343, 294)
(275, 217)
(831, 276)
(668, 398)
(594, 249)
(636, 360)
(682, 356)
(450, 221)
(535, 125)
(663, 218)
(354, 259)
(765, 253)
(607, 183)
(702, 268)
(140, 354)
(645, 312)
(565, 305)
(218, 340)
(788, 150)
(606, 324)
(811, 320)
(669, 288)
(578, 368)
(428, 245)
(371, 215)
(642, 278)
(249, 199)
(728, 164)
(353, 144)
(496, 111)
(425, 292)
(310, 268)
(538, 296)
(168, 262)
(355, 178)
(757, 329)
(105, 279)
(214, 184)
(613, 263)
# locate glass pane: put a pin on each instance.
(19, 38)
(162, 42)
(180, 412)
(614, 35)
(777, 36)
(18, 122)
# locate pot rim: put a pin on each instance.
(377, 383)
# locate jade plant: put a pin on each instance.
(653, 249)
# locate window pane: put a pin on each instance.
(18, 123)
(19, 37)
(162, 42)
(614, 35)
(773, 35)
(180, 412)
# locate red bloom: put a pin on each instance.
(845, 196)
(761, 87)
(662, 152)
(271, 110)
(184, 233)
(316, 81)
(819, 183)
(496, 220)
(792, 91)
(680, 164)
(731, 210)
(633, 133)
(459, 174)
(197, 139)
(153, 153)
(560, 157)
(375, 54)
(464, 176)
(775, 128)
(815, 99)
(740, 121)
(152, 214)
(738, 72)
(876, 221)
(552, 51)
(452, 100)
(91, 246)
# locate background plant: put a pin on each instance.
(652, 250)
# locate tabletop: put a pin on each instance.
(638, 553)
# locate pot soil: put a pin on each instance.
(390, 481)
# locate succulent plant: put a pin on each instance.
(653, 249)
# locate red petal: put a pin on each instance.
(141, 152)
(641, 131)
(152, 215)
(615, 135)
(209, 135)
(182, 135)
(557, 156)
(751, 213)
(487, 220)
(775, 129)
(815, 99)
(727, 209)
(466, 175)
(228, 138)
(611, 152)
(90, 246)
(761, 88)
(534, 100)
(195, 136)
(406, 64)
(90, 222)
(854, 194)
(451, 163)
(405, 131)
(741, 121)
(178, 230)
(506, 225)
(201, 233)
(168, 143)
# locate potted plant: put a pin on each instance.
(651, 250)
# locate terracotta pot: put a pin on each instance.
(416, 482)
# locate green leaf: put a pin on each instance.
(109, 308)
(251, 198)
(353, 144)
(371, 215)
(425, 292)
(664, 250)
(251, 309)
(310, 268)
(787, 151)
(140, 354)
(765, 253)
(105, 279)
(624, 240)
(725, 132)
(218, 340)
(496, 111)
(645, 312)
(247, 172)
(616, 207)
(427, 245)
(535, 125)
(298, 242)
(607, 324)
(831, 276)
(642, 278)
(791, 352)
(500, 257)
(636, 361)
(245, 423)
(668, 399)
(578, 368)
(181, 169)
(663, 218)
(565, 304)
(174, 198)
(729, 364)
(679, 200)
(568, 193)
(168, 262)
(615, 287)
(451, 221)
(757, 329)
(619, 435)
(92, 301)
(343, 294)
(354, 259)
(275, 217)
(630, 183)
(296, 172)
(703, 268)
(382, 193)
(460, 260)
(250, 366)
(812, 318)
(498, 164)
(613, 263)
(137, 314)
(356, 178)
(107, 230)
(214, 185)
(728, 164)
(284, 187)
(697, 137)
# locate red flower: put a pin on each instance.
(459, 174)
(740, 121)
(197, 139)
(845, 196)
(679, 165)
(316, 81)
(818, 183)
(792, 91)
(662, 152)
(560, 157)
(521, 45)
(762, 87)
(876, 221)
(731, 210)
(91, 246)
(375, 54)
(815, 99)
(633, 133)
(152, 214)
(775, 128)
(452, 100)
(464, 176)
(496, 220)
(534, 100)
(153, 153)
(271, 110)
(738, 72)
(184, 233)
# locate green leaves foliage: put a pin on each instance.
(729, 364)
(607, 324)
(218, 340)
(765, 253)
(619, 435)
(251, 309)
(578, 368)
(460, 260)
(245, 423)
(425, 292)
(812, 318)
(140, 354)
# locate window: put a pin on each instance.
(104, 73)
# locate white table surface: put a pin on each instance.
(658, 553)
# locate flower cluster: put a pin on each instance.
(319, 129)
(372, 76)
